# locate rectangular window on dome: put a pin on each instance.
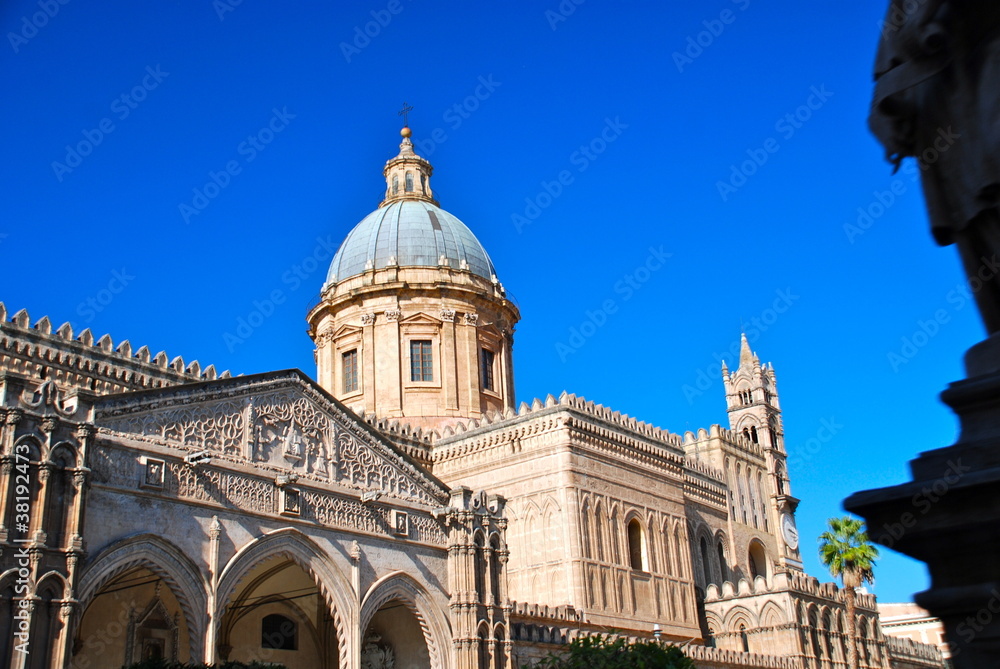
(489, 358)
(349, 365)
(421, 361)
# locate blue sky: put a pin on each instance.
(647, 177)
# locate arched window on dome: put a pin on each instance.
(423, 184)
(409, 182)
(395, 184)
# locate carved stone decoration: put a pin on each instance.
(153, 477)
(49, 424)
(393, 314)
(368, 319)
(216, 427)
(293, 429)
(215, 529)
(377, 655)
(471, 319)
(48, 395)
(324, 337)
(448, 315)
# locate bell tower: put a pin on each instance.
(755, 413)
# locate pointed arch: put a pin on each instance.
(293, 545)
(668, 559)
(400, 586)
(585, 528)
(771, 615)
(599, 526)
(185, 580)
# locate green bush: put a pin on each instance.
(599, 652)
(169, 664)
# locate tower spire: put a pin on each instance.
(746, 355)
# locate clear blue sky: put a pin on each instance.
(531, 90)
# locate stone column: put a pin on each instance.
(366, 360)
(214, 534)
(468, 342)
(450, 364)
(389, 362)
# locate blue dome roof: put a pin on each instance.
(417, 233)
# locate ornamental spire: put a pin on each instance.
(407, 176)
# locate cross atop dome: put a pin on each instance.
(407, 176)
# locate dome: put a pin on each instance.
(415, 233)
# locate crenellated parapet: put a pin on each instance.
(413, 441)
(796, 582)
(909, 654)
(590, 423)
(39, 352)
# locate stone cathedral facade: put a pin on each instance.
(401, 511)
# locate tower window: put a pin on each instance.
(421, 361)
(349, 361)
(278, 632)
(395, 184)
(636, 546)
(489, 357)
(409, 182)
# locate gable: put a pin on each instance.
(281, 423)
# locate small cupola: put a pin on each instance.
(407, 176)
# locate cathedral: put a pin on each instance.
(401, 510)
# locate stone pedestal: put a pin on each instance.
(949, 515)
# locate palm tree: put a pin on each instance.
(847, 553)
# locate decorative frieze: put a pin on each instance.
(120, 468)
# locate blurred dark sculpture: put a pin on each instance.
(937, 99)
